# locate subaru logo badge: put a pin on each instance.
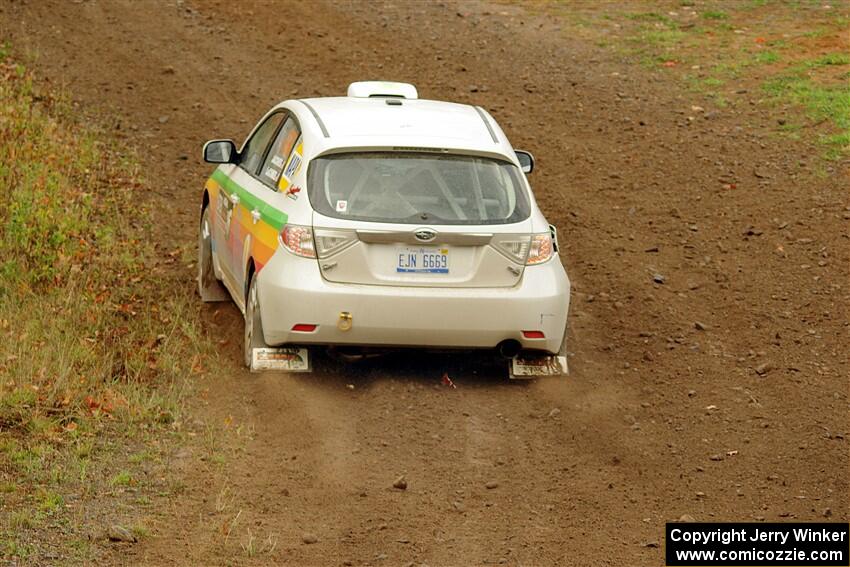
(425, 235)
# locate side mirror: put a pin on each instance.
(526, 161)
(220, 151)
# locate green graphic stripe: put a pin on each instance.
(274, 217)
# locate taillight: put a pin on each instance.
(541, 249)
(329, 242)
(525, 249)
(514, 246)
(298, 240)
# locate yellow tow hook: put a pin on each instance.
(345, 322)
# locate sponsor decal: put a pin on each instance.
(271, 173)
(293, 191)
(294, 165)
(342, 206)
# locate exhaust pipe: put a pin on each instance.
(509, 348)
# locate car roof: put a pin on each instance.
(403, 119)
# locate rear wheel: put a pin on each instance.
(209, 288)
(253, 323)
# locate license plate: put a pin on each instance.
(531, 366)
(422, 260)
(287, 359)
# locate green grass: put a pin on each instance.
(50, 502)
(123, 478)
(717, 47)
(830, 59)
(822, 102)
(652, 17)
(766, 57)
(660, 38)
(96, 346)
(715, 15)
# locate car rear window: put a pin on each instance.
(402, 187)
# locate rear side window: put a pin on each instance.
(279, 154)
(402, 187)
(255, 149)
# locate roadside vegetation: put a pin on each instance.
(788, 54)
(96, 342)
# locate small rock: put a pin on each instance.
(651, 544)
(700, 326)
(491, 485)
(687, 518)
(400, 483)
(700, 495)
(764, 368)
(120, 533)
(658, 278)
(163, 119)
(827, 512)
(168, 70)
(717, 457)
(555, 412)
(309, 538)
(781, 121)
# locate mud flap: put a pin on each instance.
(286, 359)
(213, 292)
(525, 367)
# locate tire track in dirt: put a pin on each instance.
(630, 446)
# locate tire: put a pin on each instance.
(209, 288)
(253, 324)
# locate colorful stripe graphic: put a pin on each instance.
(264, 233)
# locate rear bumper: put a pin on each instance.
(292, 291)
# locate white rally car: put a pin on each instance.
(378, 221)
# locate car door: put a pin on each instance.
(239, 200)
(260, 209)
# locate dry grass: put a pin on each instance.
(97, 338)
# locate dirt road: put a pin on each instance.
(658, 419)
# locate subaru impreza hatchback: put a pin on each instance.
(378, 221)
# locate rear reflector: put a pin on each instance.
(303, 328)
(533, 335)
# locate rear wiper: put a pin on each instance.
(425, 216)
